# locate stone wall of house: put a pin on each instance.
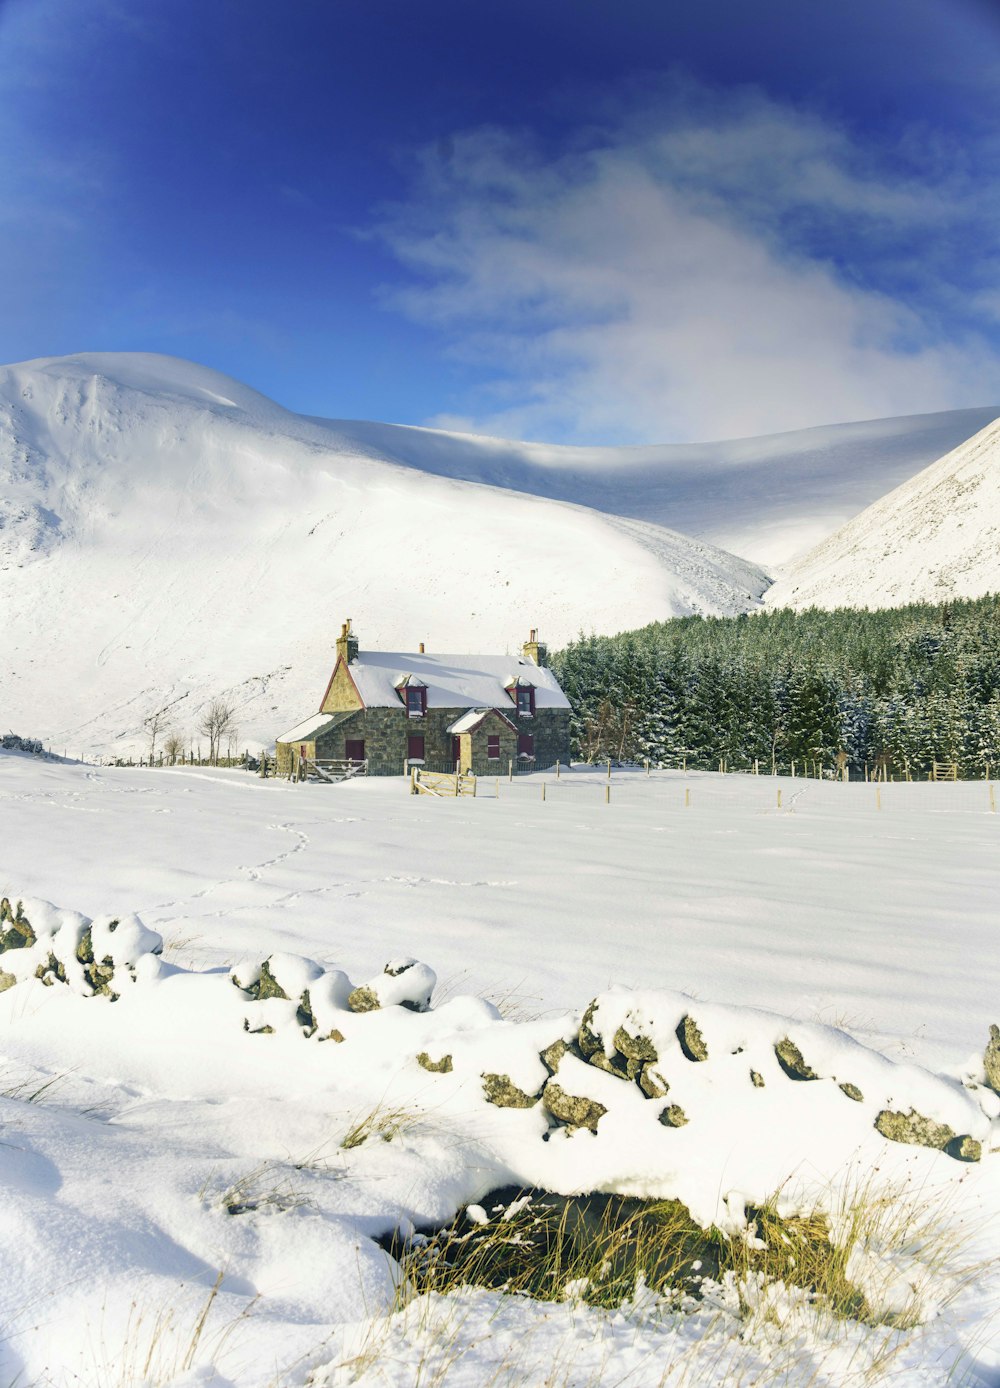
(385, 732)
(550, 728)
(287, 754)
(341, 694)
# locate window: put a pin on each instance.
(416, 700)
(493, 746)
(354, 749)
(525, 745)
(525, 700)
(415, 747)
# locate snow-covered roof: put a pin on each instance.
(471, 720)
(453, 681)
(311, 727)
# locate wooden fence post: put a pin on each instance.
(687, 796)
(510, 771)
(543, 790)
(607, 795)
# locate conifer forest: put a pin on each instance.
(896, 691)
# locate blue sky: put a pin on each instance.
(561, 219)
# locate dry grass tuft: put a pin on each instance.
(381, 1121)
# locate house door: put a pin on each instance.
(354, 749)
(456, 749)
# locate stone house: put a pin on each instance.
(396, 709)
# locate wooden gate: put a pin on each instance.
(440, 783)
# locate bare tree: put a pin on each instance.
(217, 722)
(173, 747)
(156, 724)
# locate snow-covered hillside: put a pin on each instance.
(768, 498)
(168, 536)
(935, 537)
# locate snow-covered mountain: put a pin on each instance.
(168, 536)
(935, 537)
(770, 498)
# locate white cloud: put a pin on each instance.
(705, 266)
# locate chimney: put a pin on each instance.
(347, 644)
(535, 650)
(421, 648)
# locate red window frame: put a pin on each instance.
(415, 747)
(415, 707)
(526, 745)
(493, 746)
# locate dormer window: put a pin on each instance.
(522, 692)
(412, 694)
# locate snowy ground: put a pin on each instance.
(160, 1111)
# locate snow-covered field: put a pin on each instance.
(150, 1144)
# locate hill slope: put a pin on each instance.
(168, 536)
(935, 537)
(769, 498)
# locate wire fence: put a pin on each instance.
(706, 791)
(613, 783)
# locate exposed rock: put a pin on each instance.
(991, 1059)
(919, 1131)
(51, 971)
(402, 983)
(436, 1067)
(257, 1031)
(652, 1083)
(965, 1148)
(98, 973)
(852, 1091)
(756, 1079)
(502, 1091)
(6, 981)
(334, 1035)
(15, 930)
(692, 1042)
(611, 1065)
(791, 1061)
(588, 1039)
(553, 1054)
(638, 1048)
(267, 985)
(575, 1111)
(363, 999)
(673, 1116)
(304, 1014)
